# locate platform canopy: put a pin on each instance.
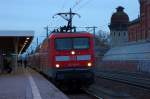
(15, 41)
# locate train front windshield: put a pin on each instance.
(71, 43)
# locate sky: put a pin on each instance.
(36, 14)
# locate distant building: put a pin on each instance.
(119, 27)
(133, 56)
(139, 29)
(123, 31)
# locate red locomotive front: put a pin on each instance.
(72, 56)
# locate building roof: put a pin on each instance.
(119, 16)
(12, 41)
(16, 33)
(135, 21)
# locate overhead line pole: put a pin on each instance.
(46, 30)
(37, 41)
(94, 29)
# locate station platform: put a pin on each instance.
(27, 84)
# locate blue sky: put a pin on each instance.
(36, 14)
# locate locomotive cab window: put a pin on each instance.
(71, 43)
(81, 43)
(63, 44)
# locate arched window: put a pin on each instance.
(124, 33)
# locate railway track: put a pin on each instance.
(83, 94)
(92, 94)
(131, 79)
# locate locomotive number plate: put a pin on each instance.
(73, 58)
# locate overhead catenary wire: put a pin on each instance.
(54, 21)
(77, 3)
(63, 5)
(83, 5)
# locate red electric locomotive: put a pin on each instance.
(67, 56)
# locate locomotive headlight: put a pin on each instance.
(89, 64)
(73, 52)
(57, 65)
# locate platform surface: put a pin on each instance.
(27, 84)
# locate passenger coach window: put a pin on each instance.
(81, 43)
(63, 44)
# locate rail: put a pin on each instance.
(92, 93)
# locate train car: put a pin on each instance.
(67, 57)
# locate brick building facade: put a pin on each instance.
(139, 29)
(134, 55)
